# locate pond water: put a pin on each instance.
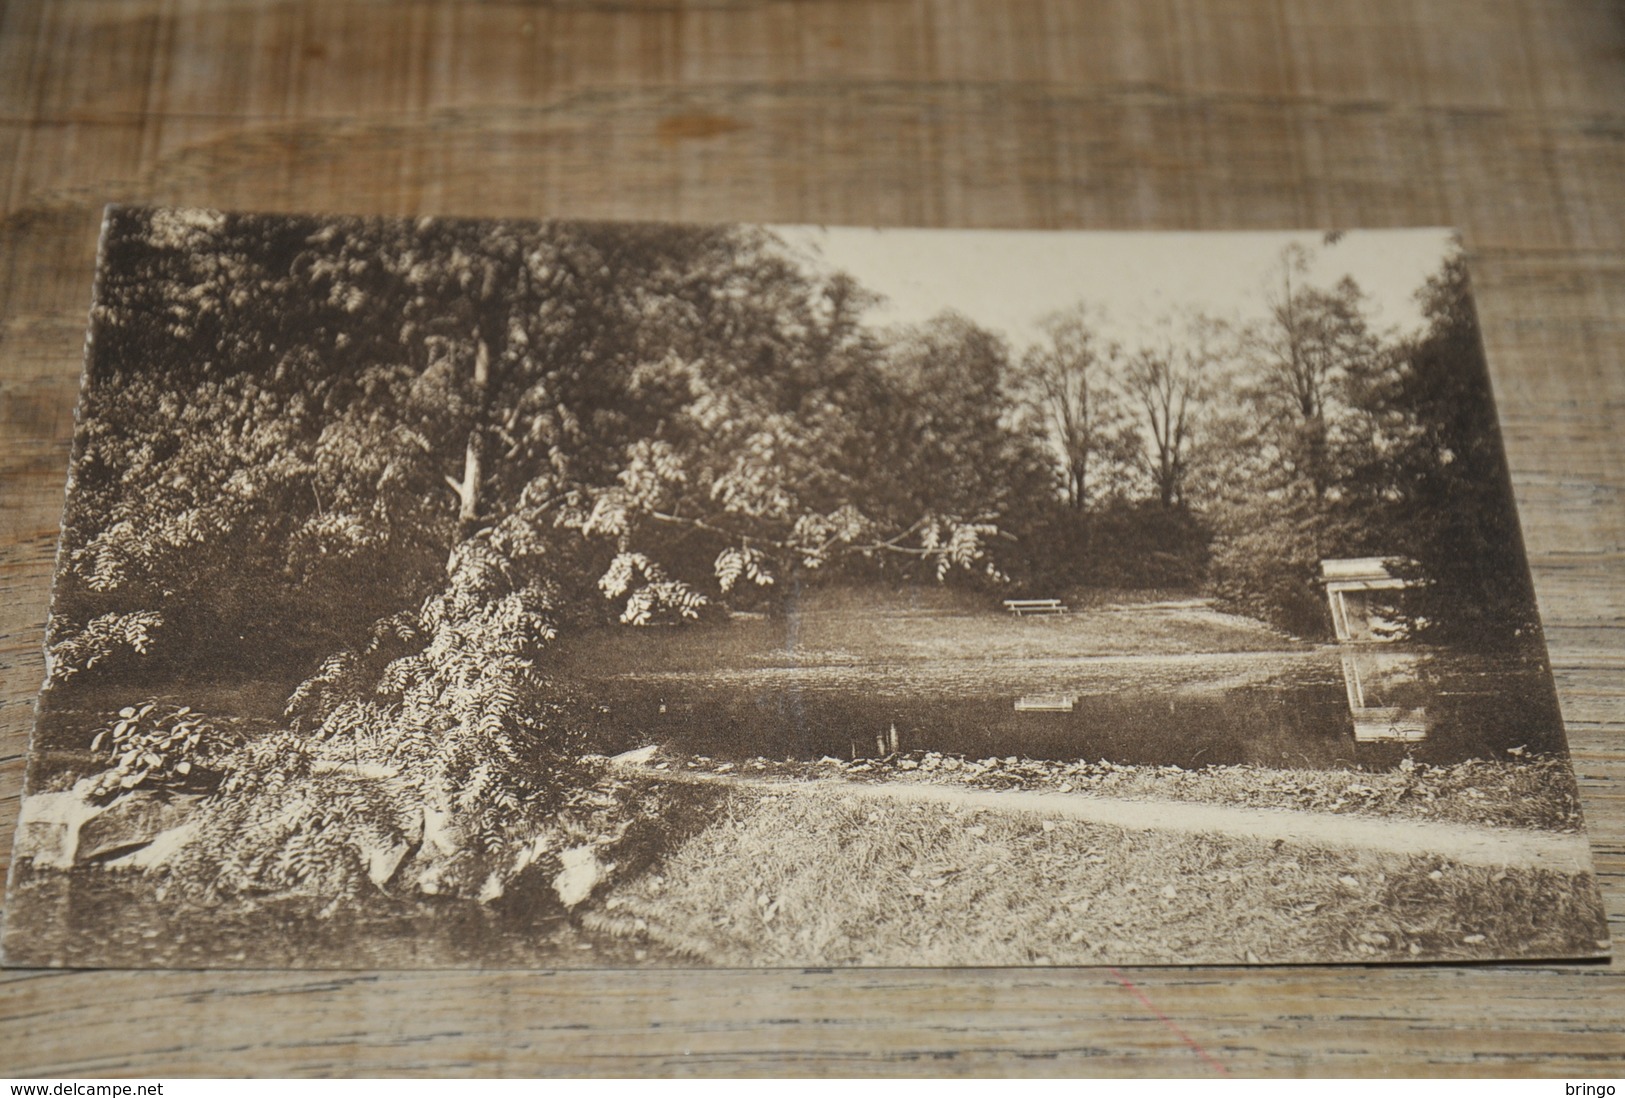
(838, 682)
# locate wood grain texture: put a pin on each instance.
(1505, 118)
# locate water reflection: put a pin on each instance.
(1383, 673)
(1386, 694)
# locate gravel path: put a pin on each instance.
(1502, 847)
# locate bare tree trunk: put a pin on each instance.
(468, 488)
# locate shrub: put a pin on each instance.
(110, 637)
(161, 746)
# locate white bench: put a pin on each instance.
(1020, 607)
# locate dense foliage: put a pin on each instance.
(1352, 445)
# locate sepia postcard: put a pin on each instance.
(443, 593)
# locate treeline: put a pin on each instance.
(1234, 457)
(294, 429)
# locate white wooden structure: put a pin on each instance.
(1381, 673)
(1356, 611)
(1022, 607)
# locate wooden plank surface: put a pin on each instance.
(1503, 117)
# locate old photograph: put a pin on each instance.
(440, 593)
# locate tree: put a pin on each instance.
(1071, 377)
(1436, 480)
(1314, 345)
(1169, 381)
(1287, 499)
(222, 491)
(956, 442)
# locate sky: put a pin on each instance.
(1008, 281)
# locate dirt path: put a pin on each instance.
(1461, 843)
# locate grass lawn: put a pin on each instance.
(878, 626)
(813, 877)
